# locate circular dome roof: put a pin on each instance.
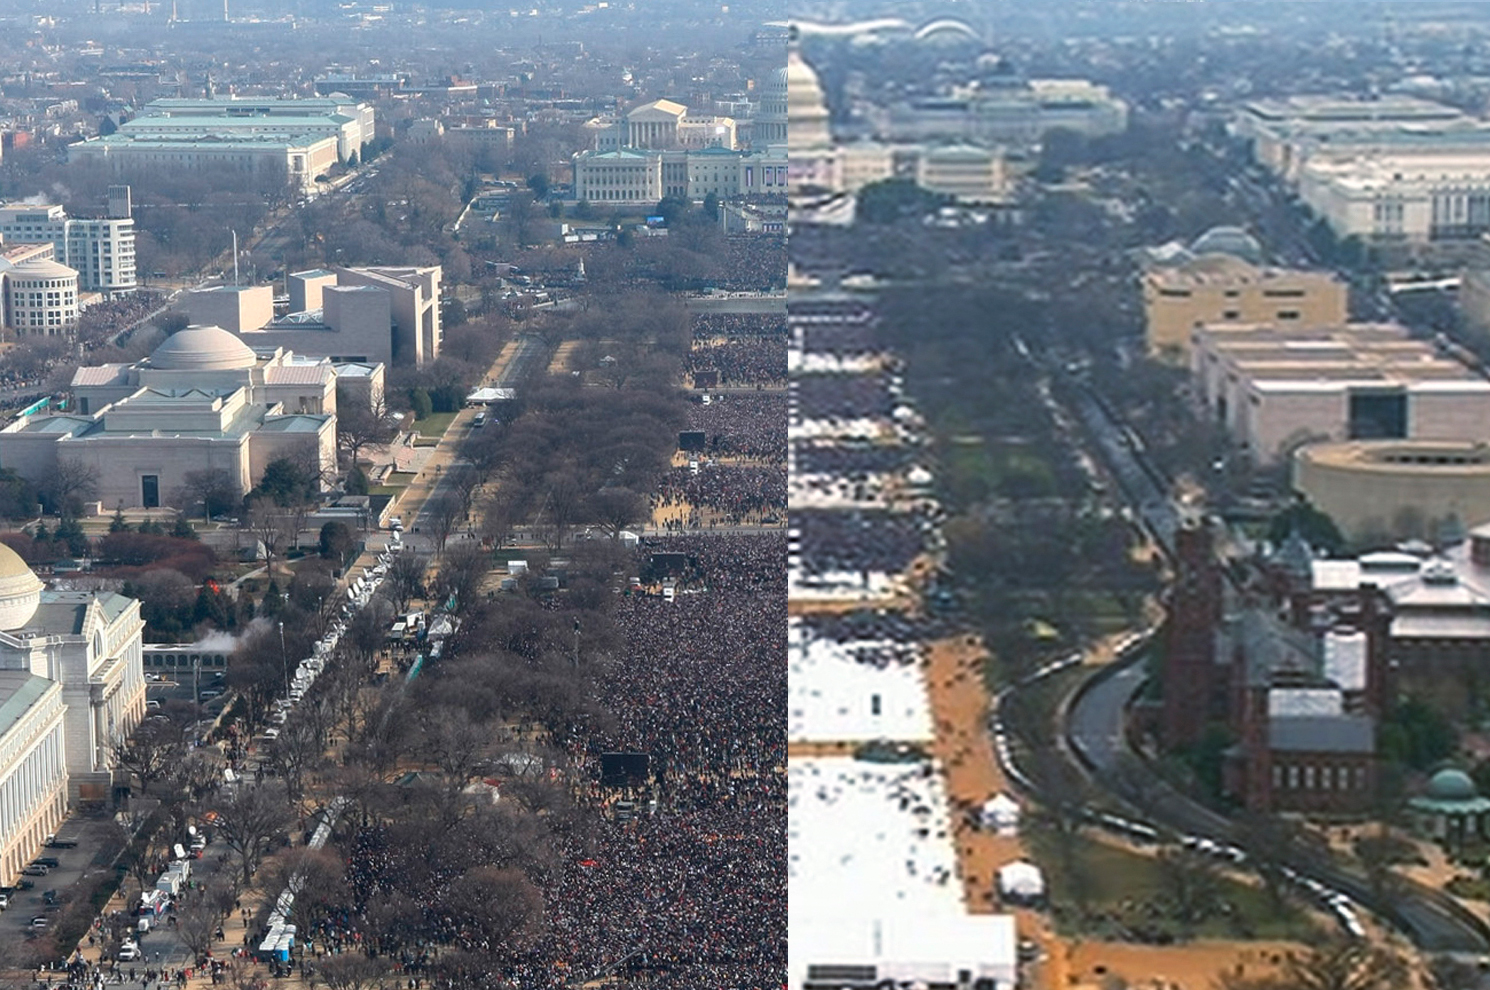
(203, 349)
(44, 268)
(1229, 240)
(1452, 785)
(20, 590)
(806, 106)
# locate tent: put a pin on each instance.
(1021, 881)
(1000, 813)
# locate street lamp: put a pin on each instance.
(284, 658)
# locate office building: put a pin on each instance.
(1288, 132)
(1384, 490)
(38, 296)
(1415, 198)
(379, 315)
(297, 138)
(100, 250)
(1223, 288)
(1275, 388)
(1016, 114)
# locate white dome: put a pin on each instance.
(807, 108)
(203, 349)
(44, 268)
(20, 590)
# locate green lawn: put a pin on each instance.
(435, 424)
(1128, 894)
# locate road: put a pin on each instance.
(1096, 721)
(531, 356)
(1095, 729)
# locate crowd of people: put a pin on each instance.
(853, 461)
(676, 880)
(740, 361)
(751, 425)
(740, 494)
(698, 890)
(724, 326)
(753, 263)
(859, 540)
(844, 397)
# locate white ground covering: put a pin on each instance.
(831, 693)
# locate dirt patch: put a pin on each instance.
(563, 354)
(959, 703)
(1185, 967)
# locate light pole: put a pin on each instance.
(284, 658)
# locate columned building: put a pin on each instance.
(33, 769)
(72, 685)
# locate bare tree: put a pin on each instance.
(455, 744)
(359, 427)
(198, 919)
(353, 971)
(1348, 965)
(490, 906)
(150, 754)
(213, 488)
(248, 820)
(268, 524)
(295, 753)
(70, 484)
(617, 508)
(405, 579)
(444, 514)
(1191, 883)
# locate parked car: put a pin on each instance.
(51, 862)
(38, 922)
(4, 901)
(35, 870)
(130, 952)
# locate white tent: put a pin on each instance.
(1021, 881)
(1000, 813)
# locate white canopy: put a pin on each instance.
(1021, 879)
(1000, 812)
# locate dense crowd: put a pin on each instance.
(741, 494)
(744, 361)
(745, 425)
(859, 540)
(717, 326)
(699, 889)
(843, 396)
(687, 889)
(852, 461)
(838, 338)
(753, 263)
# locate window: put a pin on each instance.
(1288, 314)
(150, 491)
(1232, 314)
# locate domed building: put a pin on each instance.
(1451, 809)
(72, 685)
(1228, 240)
(770, 123)
(807, 107)
(203, 401)
(39, 297)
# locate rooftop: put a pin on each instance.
(19, 690)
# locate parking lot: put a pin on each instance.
(91, 858)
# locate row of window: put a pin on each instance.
(1326, 778)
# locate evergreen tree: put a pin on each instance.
(117, 524)
(274, 599)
